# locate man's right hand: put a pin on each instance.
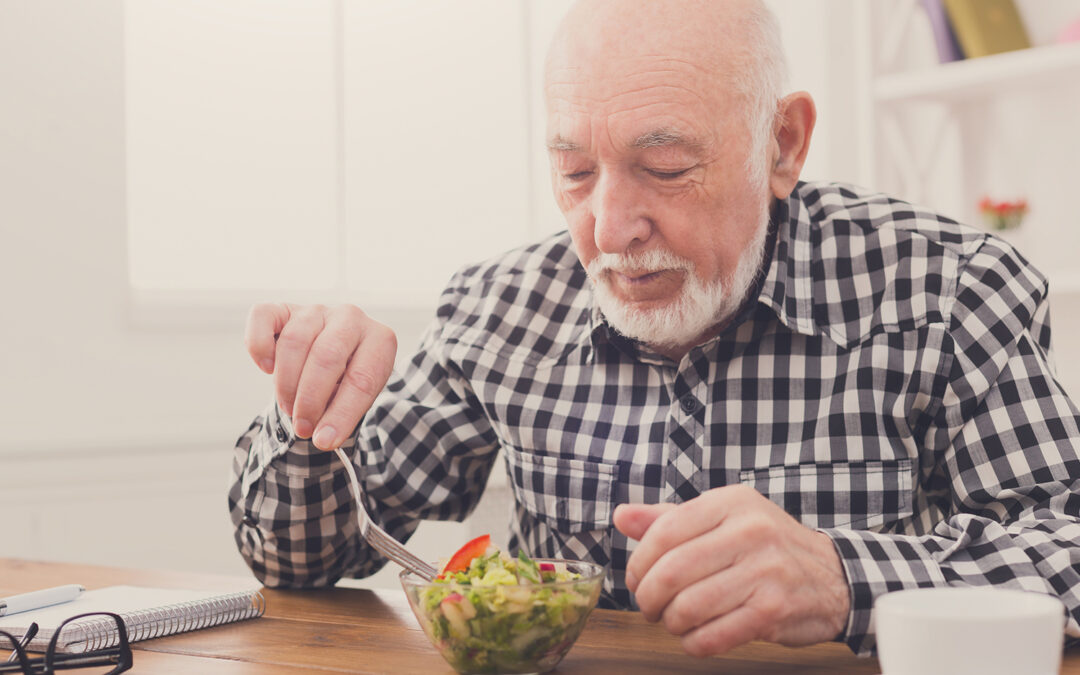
(328, 363)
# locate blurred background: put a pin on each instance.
(165, 164)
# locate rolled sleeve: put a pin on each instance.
(422, 452)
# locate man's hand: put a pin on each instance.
(329, 364)
(729, 567)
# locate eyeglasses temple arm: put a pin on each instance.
(30, 633)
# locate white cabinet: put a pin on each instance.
(333, 150)
(945, 135)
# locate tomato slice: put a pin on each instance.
(474, 549)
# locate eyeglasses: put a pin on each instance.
(107, 660)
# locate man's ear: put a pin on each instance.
(796, 115)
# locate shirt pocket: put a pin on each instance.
(570, 495)
(563, 509)
(856, 495)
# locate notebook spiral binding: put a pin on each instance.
(93, 634)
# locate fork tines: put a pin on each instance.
(393, 550)
(376, 536)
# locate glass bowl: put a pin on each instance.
(526, 628)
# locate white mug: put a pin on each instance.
(969, 630)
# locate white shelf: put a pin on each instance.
(983, 76)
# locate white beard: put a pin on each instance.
(699, 307)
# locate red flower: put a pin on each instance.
(1003, 215)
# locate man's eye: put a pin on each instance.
(577, 176)
(667, 175)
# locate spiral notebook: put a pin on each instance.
(147, 613)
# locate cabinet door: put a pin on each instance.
(231, 143)
(358, 145)
(436, 144)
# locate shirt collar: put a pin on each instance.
(787, 285)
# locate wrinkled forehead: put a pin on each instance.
(631, 96)
(605, 76)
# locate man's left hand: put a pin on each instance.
(729, 567)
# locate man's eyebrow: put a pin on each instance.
(663, 137)
(560, 144)
(652, 139)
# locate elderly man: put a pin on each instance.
(787, 398)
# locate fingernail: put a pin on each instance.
(631, 581)
(324, 437)
(267, 365)
(302, 428)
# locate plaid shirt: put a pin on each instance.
(891, 387)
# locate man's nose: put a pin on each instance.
(620, 218)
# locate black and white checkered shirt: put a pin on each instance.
(892, 387)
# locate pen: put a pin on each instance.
(24, 602)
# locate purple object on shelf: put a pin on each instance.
(944, 37)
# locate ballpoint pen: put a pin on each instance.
(24, 602)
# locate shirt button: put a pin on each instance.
(249, 520)
(689, 404)
(281, 435)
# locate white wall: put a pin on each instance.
(81, 388)
(117, 431)
(77, 375)
(118, 421)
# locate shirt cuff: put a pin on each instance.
(876, 564)
(276, 447)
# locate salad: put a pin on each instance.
(488, 612)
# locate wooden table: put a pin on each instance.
(362, 631)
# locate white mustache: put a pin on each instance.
(648, 262)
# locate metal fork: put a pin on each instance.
(377, 537)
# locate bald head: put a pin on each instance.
(707, 31)
(733, 44)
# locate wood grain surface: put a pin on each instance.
(350, 630)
